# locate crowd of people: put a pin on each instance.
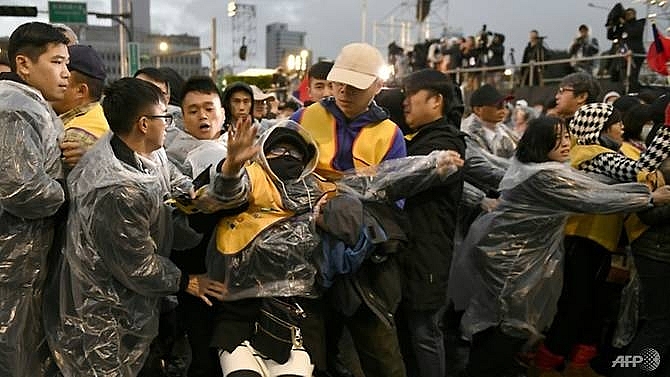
(485, 49)
(156, 226)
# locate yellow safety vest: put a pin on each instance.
(369, 148)
(234, 233)
(603, 229)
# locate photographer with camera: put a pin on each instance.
(495, 54)
(535, 51)
(583, 46)
(626, 33)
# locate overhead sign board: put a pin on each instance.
(67, 12)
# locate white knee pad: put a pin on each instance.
(244, 357)
(298, 364)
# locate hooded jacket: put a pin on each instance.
(589, 155)
(227, 93)
(30, 196)
(115, 269)
(266, 250)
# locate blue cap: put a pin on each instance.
(85, 60)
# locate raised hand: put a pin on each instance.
(241, 146)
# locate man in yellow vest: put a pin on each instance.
(351, 131)
(80, 109)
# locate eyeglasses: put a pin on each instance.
(282, 151)
(167, 118)
(562, 89)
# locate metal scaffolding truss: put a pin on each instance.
(401, 25)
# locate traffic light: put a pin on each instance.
(13, 11)
(243, 49)
(422, 9)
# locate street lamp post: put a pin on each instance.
(163, 48)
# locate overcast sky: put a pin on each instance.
(330, 24)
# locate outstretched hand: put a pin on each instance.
(448, 161)
(202, 286)
(241, 145)
(661, 195)
(71, 152)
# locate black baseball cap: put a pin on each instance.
(85, 60)
(487, 95)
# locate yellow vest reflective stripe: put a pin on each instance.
(234, 233)
(369, 147)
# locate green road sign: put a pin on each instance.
(133, 57)
(67, 12)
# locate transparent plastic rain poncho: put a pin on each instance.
(509, 270)
(280, 260)
(191, 155)
(29, 197)
(104, 302)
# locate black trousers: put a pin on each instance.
(492, 354)
(196, 318)
(581, 312)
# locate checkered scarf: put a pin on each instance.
(588, 122)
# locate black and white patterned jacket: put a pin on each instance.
(587, 125)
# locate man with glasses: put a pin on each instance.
(115, 267)
(575, 90)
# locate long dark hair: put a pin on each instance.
(539, 139)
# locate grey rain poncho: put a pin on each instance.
(191, 155)
(279, 260)
(29, 197)
(115, 266)
(509, 270)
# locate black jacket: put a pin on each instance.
(432, 214)
(655, 242)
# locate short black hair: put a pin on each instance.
(320, 70)
(125, 101)
(615, 117)
(539, 139)
(95, 86)
(32, 39)
(154, 74)
(634, 119)
(202, 84)
(433, 81)
(175, 83)
(583, 82)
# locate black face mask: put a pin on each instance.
(286, 167)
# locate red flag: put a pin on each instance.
(659, 52)
(301, 92)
